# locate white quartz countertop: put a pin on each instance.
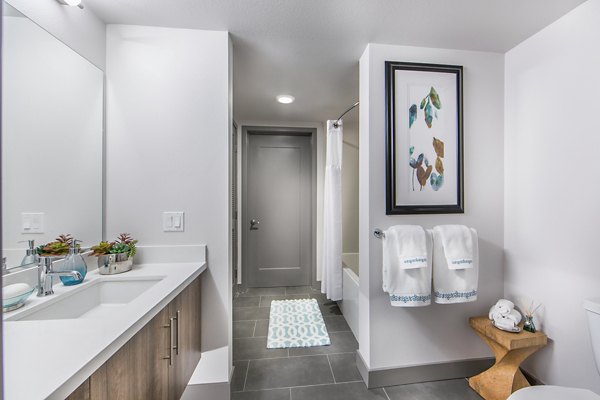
(51, 358)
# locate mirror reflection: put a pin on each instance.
(52, 133)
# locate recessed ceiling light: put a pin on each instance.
(71, 3)
(285, 99)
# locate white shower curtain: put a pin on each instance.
(331, 273)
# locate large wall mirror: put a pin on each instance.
(52, 139)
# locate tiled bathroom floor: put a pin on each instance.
(314, 373)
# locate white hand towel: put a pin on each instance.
(407, 265)
(458, 245)
(454, 285)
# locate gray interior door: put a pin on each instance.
(278, 218)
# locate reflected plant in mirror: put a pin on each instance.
(52, 127)
(58, 248)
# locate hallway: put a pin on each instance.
(315, 373)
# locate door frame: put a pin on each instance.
(271, 130)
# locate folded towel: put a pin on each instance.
(454, 285)
(458, 245)
(407, 266)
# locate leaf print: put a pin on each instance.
(411, 150)
(435, 98)
(423, 175)
(438, 146)
(436, 181)
(413, 163)
(439, 166)
(412, 115)
(420, 159)
(423, 102)
(426, 161)
(428, 115)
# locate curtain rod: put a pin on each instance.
(336, 124)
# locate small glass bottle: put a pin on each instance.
(529, 326)
(73, 262)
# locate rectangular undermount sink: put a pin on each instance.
(98, 299)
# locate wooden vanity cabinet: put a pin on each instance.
(186, 310)
(142, 369)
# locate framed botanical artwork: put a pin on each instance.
(424, 138)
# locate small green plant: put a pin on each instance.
(59, 247)
(124, 244)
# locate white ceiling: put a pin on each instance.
(310, 48)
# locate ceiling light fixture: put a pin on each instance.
(71, 3)
(285, 99)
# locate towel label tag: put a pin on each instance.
(460, 263)
(413, 262)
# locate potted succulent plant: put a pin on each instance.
(59, 248)
(115, 257)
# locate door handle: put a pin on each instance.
(170, 356)
(177, 335)
(254, 224)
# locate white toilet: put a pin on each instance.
(548, 392)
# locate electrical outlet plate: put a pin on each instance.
(173, 221)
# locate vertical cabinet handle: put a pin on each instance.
(178, 318)
(171, 347)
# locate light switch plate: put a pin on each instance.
(32, 222)
(173, 221)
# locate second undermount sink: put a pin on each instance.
(97, 299)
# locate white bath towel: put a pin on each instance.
(407, 266)
(454, 285)
(458, 245)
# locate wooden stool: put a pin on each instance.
(510, 349)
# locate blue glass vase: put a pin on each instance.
(73, 262)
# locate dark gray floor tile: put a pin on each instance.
(239, 375)
(454, 389)
(344, 391)
(286, 372)
(252, 301)
(341, 342)
(336, 323)
(243, 329)
(272, 394)
(265, 301)
(272, 291)
(344, 367)
(329, 309)
(262, 327)
(255, 348)
(299, 290)
(250, 313)
(320, 297)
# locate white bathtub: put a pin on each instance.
(349, 303)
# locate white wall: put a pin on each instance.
(168, 129)
(551, 196)
(79, 29)
(52, 125)
(350, 188)
(396, 337)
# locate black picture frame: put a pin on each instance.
(394, 206)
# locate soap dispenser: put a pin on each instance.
(31, 256)
(73, 262)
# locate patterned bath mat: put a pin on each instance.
(296, 323)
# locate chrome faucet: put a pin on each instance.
(45, 275)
